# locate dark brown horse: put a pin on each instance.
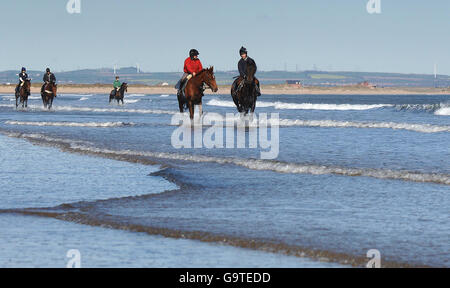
(194, 91)
(119, 94)
(245, 98)
(49, 94)
(23, 94)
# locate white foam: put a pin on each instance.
(76, 95)
(71, 124)
(238, 121)
(128, 101)
(84, 98)
(97, 110)
(444, 111)
(257, 164)
(303, 106)
(114, 110)
(136, 95)
(422, 128)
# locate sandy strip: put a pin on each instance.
(266, 89)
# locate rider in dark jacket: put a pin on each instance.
(242, 67)
(22, 77)
(49, 77)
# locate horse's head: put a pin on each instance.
(27, 85)
(124, 87)
(54, 88)
(210, 79)
(251, 71)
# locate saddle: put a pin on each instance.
(45, 88)
(181, 92)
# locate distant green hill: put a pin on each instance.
(316, 78)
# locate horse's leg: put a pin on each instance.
(200, 109)
(235, 98)
(191, 110)
(181, 104)
(254, 104)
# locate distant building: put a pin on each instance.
(294, 83)
(364, 84)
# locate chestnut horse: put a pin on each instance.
(119, 94)
(49, 94)
(23, 93)
(193, 92)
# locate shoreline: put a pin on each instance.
(322, 256)
(225, 89)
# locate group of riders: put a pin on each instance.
(49, 78)
(192, 66)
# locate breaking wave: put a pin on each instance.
(129, 101)
(236, 120)
(444, 111)
(136, 95)
(253, 164)
(71, 124)
(304, 106)
(422, 128)
(97, 110)
(441, 109)
(113, 110)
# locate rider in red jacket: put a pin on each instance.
(192, 66)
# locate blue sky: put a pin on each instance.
(409, 36)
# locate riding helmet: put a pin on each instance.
(193, 53)
(24, 69)
(242, 51)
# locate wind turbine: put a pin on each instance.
(435, 75)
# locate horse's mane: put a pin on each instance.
(203, 71)
(251, 68)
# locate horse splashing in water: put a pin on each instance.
(244, 90)
(49, 94)
(193, 92)
(23, 92)
(119, 95)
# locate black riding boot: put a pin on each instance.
(182, 87)
(258, 90)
